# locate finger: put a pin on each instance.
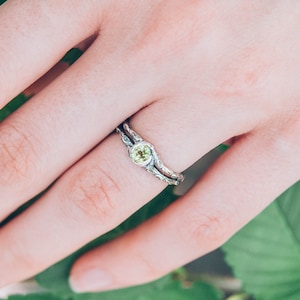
(64, 121)
(58, 69)
(103, 189)
(243, 182)
(35, 35)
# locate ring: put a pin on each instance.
(143, 154)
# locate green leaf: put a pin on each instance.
(171, 287)
(240, 296)
(265, 254)
(13, 105)
(34, 297)
(223, 147)
(22, 208)
(71, 56)
(56, 277)
(168, 287)
(2, 1)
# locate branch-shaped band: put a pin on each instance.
(143, 154)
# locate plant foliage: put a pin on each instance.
(265, 254)
(169, 287)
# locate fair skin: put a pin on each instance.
(191, 75)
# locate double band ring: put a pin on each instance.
(143, 154)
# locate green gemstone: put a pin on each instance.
(141, 154)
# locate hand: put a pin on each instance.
(190, 75)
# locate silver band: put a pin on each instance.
(143, 154)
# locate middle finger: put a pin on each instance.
(64, 121)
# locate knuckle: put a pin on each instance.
(17, 155)
(94, 192)
(211, 229)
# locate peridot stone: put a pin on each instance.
(141, 154)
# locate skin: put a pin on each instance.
(191, 75)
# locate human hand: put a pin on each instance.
(190, 74)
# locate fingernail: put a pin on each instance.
(91, 281)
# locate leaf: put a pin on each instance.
(169, 287)
(265, 254)
(2, 1)
(223, 147)
(240, 296)
(13, 105)
(71, 56)
(34, 297)
(55, 278)
(22, 208)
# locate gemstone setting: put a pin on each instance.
(141, 154)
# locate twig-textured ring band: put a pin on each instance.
(143, 154)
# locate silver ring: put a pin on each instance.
(143, 154)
